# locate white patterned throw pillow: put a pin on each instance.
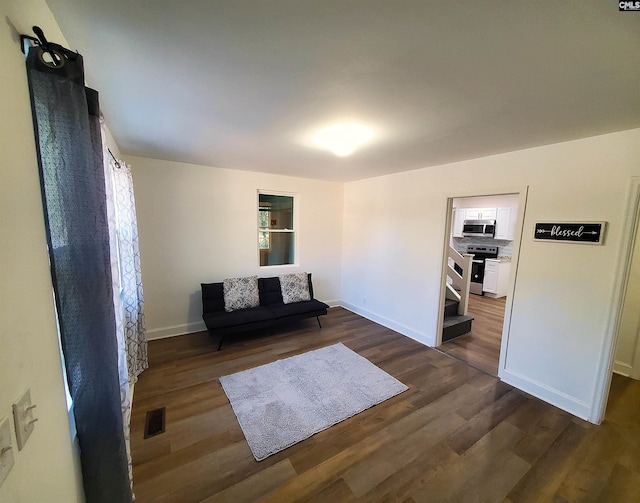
(240, 293)
(294, 287)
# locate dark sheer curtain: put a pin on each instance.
(69, 144)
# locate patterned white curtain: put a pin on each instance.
(130, 273)
(127, 285)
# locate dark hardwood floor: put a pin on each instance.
(457, 434)
(480, 347)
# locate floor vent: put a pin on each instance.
(154, 423)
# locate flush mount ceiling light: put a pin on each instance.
(343, 139)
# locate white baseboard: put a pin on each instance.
(555, 397)
(186, 328)
(190, 328)
(622, 368)
(542, 391)
(548, 394)
(420, 337)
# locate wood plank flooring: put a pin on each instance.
(480, 347)
(457, 434)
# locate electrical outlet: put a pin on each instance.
(6, 449)
(23, 419)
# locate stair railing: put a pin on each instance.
(459, 284)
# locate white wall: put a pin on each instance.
(501, 201)
(46, 469)
(394, 227)
(198, 224)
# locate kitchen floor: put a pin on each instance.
(480, 348)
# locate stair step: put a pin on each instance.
(455, 326)
(450, 307)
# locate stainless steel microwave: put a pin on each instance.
(479, 228)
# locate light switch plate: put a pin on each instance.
(23, 419)
(6, 449)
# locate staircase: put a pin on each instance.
(454, 324)
(456, 320)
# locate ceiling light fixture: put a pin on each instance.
(343, 139)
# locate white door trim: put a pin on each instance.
(517, 242)
(625, 253)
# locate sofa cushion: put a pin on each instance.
(294, 287)
(269, 291)
(309, 306)
(212, 297)
(240, 293)
(238, 317)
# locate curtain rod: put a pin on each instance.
(118, 165)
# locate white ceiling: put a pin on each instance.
(243, 84)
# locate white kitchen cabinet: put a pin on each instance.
(496, 278)
(457, 222)
(480, 214)
(505, 224)
(490, 283)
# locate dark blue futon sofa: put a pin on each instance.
(271, 311)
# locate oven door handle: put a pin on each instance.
(478, 261)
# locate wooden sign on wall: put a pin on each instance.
(570, 232)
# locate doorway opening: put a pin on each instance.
(483, 232)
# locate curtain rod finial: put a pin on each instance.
(40, 34)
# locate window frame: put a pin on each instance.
(294, 231)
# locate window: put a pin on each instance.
(276, 231)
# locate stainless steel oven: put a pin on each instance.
(480, 254)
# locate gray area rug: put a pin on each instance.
(284, 402)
